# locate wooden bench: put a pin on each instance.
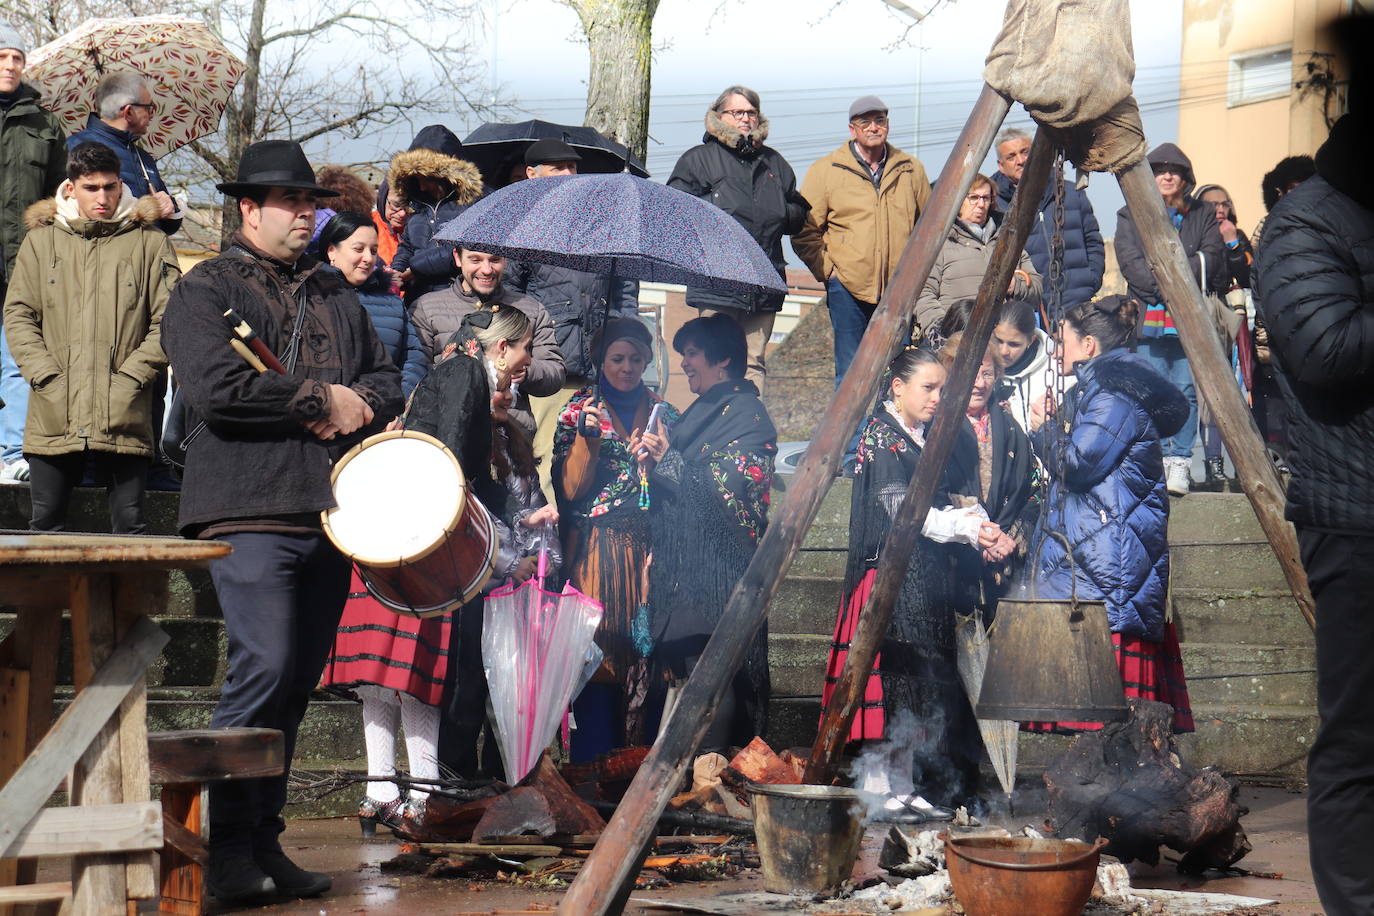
(183, 763)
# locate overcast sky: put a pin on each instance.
(808, 59)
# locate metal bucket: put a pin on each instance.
(996, 876)
(808, 836)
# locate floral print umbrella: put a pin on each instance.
(190, 74)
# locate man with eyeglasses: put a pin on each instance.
(124, 111)
(1196, 224)
(865, 198)
(732, 169)
(1085, 255)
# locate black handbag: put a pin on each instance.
(181, 427)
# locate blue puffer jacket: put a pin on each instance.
(1085, 256)
(1107, 493)
(392, 324)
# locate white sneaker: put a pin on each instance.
(1177, 477)
(16, 473)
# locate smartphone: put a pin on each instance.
(655, 423)
(585, 426)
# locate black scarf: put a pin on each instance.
(729, 412)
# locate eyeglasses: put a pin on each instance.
(1167, 168)
(740, 114)
(869, 122)
(979, 198)
(151, 106)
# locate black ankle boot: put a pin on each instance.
(1216, 471)
(290, 878)
(236, 879)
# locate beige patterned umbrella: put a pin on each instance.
(191, 74)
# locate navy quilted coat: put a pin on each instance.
(1109, 477)
(391, 321)
(1085, 255)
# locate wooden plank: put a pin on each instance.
(216, 754)
(34, 588)
(27, 791)
(38, 633)
(1216, 383)
(91, 828)
(99, 880)
(187, 843)
(135, 596)
(14, 705)
(87, 553)
(604, 884)
(52, 892)
(182, 874)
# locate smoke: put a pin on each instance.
(907, 760)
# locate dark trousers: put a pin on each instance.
(849, 319)
(464, 704)
(1340, 767)
(282, 596)
(53, 477)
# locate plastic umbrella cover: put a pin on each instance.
(534, 651)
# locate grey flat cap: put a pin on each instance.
(866, 103)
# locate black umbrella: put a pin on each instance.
(495, 148)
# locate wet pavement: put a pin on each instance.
(1276, 824)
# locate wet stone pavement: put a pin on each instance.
(1276, 826)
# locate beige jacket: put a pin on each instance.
(856, 232)
(82, 318)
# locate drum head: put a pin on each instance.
(398, 495)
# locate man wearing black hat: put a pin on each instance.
(257, 476)
(578, 302)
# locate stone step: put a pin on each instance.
(1255, 616)
(1213, 517)
(194, 657)
(805, 604)
(1225, 568)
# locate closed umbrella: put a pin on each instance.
(534, 650)
(618, 225)
(190, 72)
(999, 735)
(495, 147)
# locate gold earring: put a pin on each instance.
(501, 364)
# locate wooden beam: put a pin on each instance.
(605, 881)
(14, 707)
(91, 828)
(44, 769)
(137, 595)
(1213, 378)
(215, 754)
(895, 557)
(53, 892)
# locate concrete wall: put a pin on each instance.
(1235, 146)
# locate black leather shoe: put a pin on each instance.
(292, 880)
(237, 879)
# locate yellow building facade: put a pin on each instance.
(1257, 83)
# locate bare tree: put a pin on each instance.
(619, 34)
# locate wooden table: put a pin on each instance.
(112, 830)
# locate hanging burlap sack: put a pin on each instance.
(1071, 64)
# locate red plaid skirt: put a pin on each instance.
(868, 721)
(1150, 671)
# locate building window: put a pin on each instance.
(1259, 75)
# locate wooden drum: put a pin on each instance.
(422, 543)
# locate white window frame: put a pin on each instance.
(1236, 94)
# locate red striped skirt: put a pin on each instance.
(375, 645)
(868, 721)
(1150, 671)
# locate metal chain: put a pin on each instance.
(1054, 380)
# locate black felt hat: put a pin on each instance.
(274, 164)
(549, 150)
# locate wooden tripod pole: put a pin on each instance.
(1213, 377)
(605, 880)
(895, 556)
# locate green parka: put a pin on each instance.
(82, 319)
(33, 162)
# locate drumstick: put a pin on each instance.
(250, 337)
(248, 355)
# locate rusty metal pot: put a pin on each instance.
(1000, 876)
(808, 836)
(1051, 660)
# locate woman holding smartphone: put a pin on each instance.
(600, 477)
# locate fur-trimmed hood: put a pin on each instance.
(141, 211)
(1131, 374)
(730, 138)
(407, 166)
